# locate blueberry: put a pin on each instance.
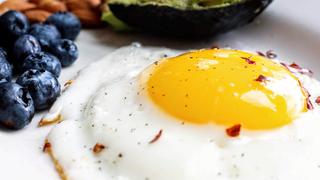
(3, 81)
(45, 33)
(3, 53)
(42, 85)
(43, 61)
(67, 23)
(5, 68)
(16, 106)
(13, 24)
(23, 47)
(66, 51)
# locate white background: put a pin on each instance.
(289, 27)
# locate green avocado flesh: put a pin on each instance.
(116, 23)
(179, 4)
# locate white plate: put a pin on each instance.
(289, 27)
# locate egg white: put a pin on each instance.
(106, 105)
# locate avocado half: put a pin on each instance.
(187, 17)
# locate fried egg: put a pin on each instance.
(144, 113)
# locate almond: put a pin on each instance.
(74, 5)
(37, 15)
(43, 1)
(18, 5)
(35, 1)
(52, 6)
(104, 7)
(83, 4)
(94, 3)
(88, 18)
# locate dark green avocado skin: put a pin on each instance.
(168, 20)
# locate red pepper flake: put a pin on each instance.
(248, 60)
(318, 100)
(234, 131)
(98, 148)
(301, 70)
(157, 137)
(271, 54)
(261, 54)
(309, 103)
(46, 147)
(261, 78)
(296, 66)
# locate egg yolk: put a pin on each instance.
(226, 87)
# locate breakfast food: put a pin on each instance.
(37, 11)
(16, 106)
(67, 23)
(12, 25)
(5, 67)
(34, 55)
(42, 85)
(146, 113)
(46, 33)
(42, 61)
(196, 17)
(24, 46)
(66, 50)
